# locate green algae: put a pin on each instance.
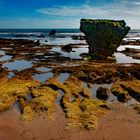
(120, 23)
(11, 90)
(125, 89)
(83, 113)
(43, 101)
(81, 110)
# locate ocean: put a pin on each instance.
(63, 36)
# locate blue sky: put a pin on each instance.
(65, 14)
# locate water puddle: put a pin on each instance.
(95, 87)
(44, 69)
(5, 58)
(18, 65)
(63, 77)
(123, 47)
(10, 75)
(17, 106)
(43, 77)
(122, 58)
(58, 99)
(75, 54)
(2, 53)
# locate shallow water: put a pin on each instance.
(5, 58)
(75, 54)
(2, 53)
(122, 58)
(63, 77)
(17, 65)
(95, 87)
(123, 47)
(43, 77)
(10, 75)
(44, 69)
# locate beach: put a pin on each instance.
(49, 87)
(120, 123)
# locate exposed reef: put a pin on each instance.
(77, 103)
(124, 89)
(74, 95)
(81, 110)
(92, 72)
(103, 36)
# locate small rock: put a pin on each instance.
(103, 93)
(123, 97)
(52, 32)
(67, 48)
(89, 85)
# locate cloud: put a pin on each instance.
(72, 11)
(116, 9)
(126, 9)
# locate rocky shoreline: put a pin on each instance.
(79, 110)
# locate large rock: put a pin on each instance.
(103, 36)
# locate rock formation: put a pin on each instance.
(52, 32)
(103, 93)
(103, 36)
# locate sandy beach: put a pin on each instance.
(120, 123)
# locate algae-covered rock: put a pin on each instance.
(103, 93)
(83, 112)
(124, 89)
(122, 94)
(13, 89)
(43, 101)
(103, 36)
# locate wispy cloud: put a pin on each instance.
(126, 9)
(72, 11)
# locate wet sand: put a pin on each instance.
(121, 123)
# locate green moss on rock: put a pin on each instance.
(103, 36)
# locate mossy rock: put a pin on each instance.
(11, 90)
(103, 36)
(124, 89)
(83, 113)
